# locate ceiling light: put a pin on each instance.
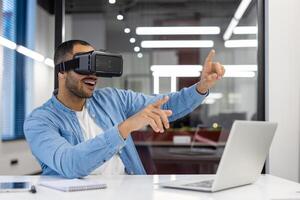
(215, 95)
(112, 1)
(178, 30)
(30, 53)
(176, 70)
(239, 74)
(212, 97)
(245, 30)
(241, 68)
(241, 9)
(132, 40)
(177, 43)
(176, 74)
(25, 51)
(137, 49)
(209, 101)
(240, 43)
(194, 70)
(233, 23)
(155, 84)
(49, 62)
(139, 55)
(126, 30)
(120, 17)
(235, 20)
(168, 68)
(7, 43)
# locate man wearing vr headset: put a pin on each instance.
(82, 131)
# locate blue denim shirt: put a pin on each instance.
(56, 140)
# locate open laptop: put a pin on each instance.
(242, 161)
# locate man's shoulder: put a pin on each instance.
(42, 111)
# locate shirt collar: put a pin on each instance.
(61, 106)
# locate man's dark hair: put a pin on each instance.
(65, 49)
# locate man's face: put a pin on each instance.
(79, 85)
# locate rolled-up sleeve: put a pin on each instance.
(181, 103)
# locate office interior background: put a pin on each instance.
(261, 80)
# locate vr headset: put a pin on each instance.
(102, 64)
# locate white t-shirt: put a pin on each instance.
(90, 130)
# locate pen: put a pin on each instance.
(33, 189)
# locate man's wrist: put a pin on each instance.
(202, 90)
(124, 129)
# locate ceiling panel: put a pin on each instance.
(204, 8)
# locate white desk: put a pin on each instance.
(145, 187)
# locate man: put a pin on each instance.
(80, 131)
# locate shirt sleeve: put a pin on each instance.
(70, 161)
(181, 103)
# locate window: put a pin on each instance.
(8, 30)
(11, 83)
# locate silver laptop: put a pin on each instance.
(242, 161)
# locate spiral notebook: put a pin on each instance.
(72, 185)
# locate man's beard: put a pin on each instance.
(73, 87)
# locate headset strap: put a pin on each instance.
(68, 65)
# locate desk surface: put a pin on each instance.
(145, 187)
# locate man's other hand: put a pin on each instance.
(152, 115)
(211, 73)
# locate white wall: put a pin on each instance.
(283, 85)
(1, 65)
(42, 75)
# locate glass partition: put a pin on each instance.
(164, 44)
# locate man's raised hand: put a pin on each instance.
(211, 73)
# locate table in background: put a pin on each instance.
(165, 157)
(160, 155)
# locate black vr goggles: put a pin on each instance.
(100, 63)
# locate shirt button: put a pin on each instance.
(131, 173)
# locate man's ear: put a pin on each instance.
(62, 75)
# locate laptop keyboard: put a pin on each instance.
(205, 184)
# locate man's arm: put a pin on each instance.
(156, 111)
(67, 160)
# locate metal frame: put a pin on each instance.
(261, 116)
(21, 6)
(261, 61)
